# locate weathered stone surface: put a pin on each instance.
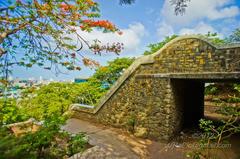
(152, 94)
(97, 152)
(21, 128)
(140, 132)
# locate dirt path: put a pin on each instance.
(113, 143)
(111, 140)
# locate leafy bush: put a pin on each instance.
(211, 90)
(48, 142)
(157, 46)
(49, 104)
(229, 111)
(10, 113)
(218, 132)
(233, 99)
(77, 143)
(236, 87)
(109, 74)
(57, 97)
(131, 122)
(89, 93)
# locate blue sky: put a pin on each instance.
(149, 21)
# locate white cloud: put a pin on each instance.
(200, 9)
(198, 15)
(227, 12)
(131, 37)
(164, 30)
(229, 25)
(200, 28)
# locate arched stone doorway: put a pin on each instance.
(189, 97)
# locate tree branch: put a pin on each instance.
(2, 52)
(13, 31)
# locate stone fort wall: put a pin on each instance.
(145, 100)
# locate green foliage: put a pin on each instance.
(77, 143)
(131, 122)
(236, 87)
(57, 97)
(110, 73)
(214, 38)
(49, 104)
(224, 128)
(48, 142)
(235, 36)
(216, 133)
(155, 47)
(233, 99)
(89, 93)
(219, 131)
(9, 112)
(211, 90)
(207, 126)
(229, 110)
(44, 31)
(9, 146)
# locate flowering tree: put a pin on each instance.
(39, 32)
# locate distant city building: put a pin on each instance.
(17, 85)
(81, 80)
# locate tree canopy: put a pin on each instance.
(40, 32)
(55, 98)
(157, 46)
(212, 37)
(235, 36)
(112, 71)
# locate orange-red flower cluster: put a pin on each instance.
(90, 2)
(66, 7)
(100, 23)
(90, 62)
